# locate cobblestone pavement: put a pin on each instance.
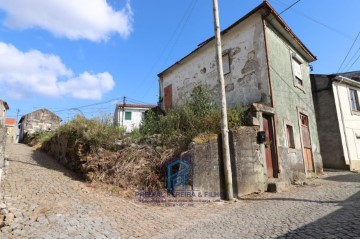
(44, 200)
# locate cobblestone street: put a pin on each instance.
(44, 200)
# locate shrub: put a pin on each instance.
(196, 116)
(95, 133)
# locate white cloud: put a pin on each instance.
(93, 20)
(32, 73)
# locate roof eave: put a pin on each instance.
(342, 79)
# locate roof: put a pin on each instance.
(136, 106)
(10, 121)
(43, 109)
(349, 78)
(342, 79)
(270, 14)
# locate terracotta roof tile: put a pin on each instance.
(10, 121)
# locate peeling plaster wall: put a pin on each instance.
(247, 81)
(288, 101)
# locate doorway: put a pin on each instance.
(271, 162)
(304, 121)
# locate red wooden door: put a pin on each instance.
(269, 146)
(168, 97)
(304, 120)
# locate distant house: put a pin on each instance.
(3, 108)
(337, 107)
(39, 120)
(266, 67)
(130, 116)
(12, 129)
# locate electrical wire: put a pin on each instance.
(318, 22)
(349, 52)
(173, 39)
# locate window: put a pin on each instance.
(127, 115)
(290, 136)
(354, 100)
(142, 116)
(297, 72)
(226, 63)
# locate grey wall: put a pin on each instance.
(248, 165)
(327, 121)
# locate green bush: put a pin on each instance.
(97, 132)
(196, 116)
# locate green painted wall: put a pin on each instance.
(287, 98)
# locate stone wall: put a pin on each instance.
(37, 121)
(248, 165)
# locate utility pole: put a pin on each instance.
(123, 112)
(224, 121)
(17, 114)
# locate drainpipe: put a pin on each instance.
(342, 119)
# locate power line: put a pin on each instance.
(349, 52)
(354, 61)
(318, 22)
(174, 38)
(288, 7)
(84, 106)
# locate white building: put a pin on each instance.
(130, 115)
(337, 107)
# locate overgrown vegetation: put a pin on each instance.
(102, 152)
(199, 115)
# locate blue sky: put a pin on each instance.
(62, 55)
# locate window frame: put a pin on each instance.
(226, 59)
(296, 59)
(127, 113)
(356, 100)
(291, 148)
(290, 136)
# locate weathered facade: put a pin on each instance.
(266, 67)
(37, 121)
(337, 107)
(130, 116)
(12, 129)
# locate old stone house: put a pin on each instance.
(36, 121)
(336, 99)
(266, 67)
(130, 116)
